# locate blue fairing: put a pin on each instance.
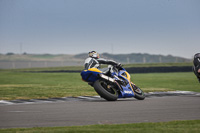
(89, 76)
(127, 90)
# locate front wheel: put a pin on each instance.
(139, 94)
(105, 90)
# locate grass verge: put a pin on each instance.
(25, 85)
(190, 126)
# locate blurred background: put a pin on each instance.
(45, 33)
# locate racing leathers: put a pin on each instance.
(95, 62)
(196, 67)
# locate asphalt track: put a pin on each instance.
(94, 110)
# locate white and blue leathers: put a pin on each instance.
(95, 62)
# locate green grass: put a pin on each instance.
(20, 85)
(183, 81)
(26, 85)
(191, 126)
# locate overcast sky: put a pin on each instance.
(113, 26)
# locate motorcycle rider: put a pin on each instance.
(196, 67)
(93, 61)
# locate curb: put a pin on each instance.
(92, 98)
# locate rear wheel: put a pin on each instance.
(139, 94)
(106, 90)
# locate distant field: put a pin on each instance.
(15, 61)
(124, 65)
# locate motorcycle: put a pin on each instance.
(112, 83)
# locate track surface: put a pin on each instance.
(98, 111)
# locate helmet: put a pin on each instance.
(93, 54)
(197, 55)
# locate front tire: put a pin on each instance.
(105, 90)
(139, 94)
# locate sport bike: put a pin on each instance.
(112, 83)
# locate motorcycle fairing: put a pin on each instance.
(127, 90)
(90, 75)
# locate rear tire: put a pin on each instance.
(108, 93)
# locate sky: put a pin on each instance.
(166, 27)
